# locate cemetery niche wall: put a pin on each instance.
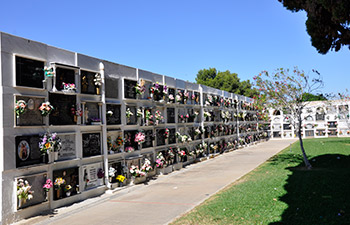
(151, 121)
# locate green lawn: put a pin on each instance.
(282, 191)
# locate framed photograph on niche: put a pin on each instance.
(27, 151)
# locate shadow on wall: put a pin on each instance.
(320, 195)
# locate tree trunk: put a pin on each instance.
(306, 161)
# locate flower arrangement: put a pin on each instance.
(207, 114)
(98, 79)
(140, 138)
(48, 184)
(128, 113)
(140, 87)
(129, 149)
(67, 188)
(76, 111)
(23, 190)
(20, 107)
(149, 116)
(68, 87)
(146, 167)
(166, 133)
(197, 131)
(110, 113)
(50, 143)
(155, 89)
(158, 116)
(171, 98)
(111, 172)
(160, 161)
(193, 97)
(179, 96)
(165, 89)
(48, 71)
(196, 113)
(209, 100)
(186, 95)
(136, 172)
(183, 117)
(100, 173)
(46, 108)
(119, 141)
(59, 181)
(181, 153)
(139, 113)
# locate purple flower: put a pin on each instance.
(165, 88)
(156, 85)
(53, 136)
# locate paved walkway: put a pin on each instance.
(170, 196)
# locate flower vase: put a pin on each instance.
(46, 196)
(21, 202)
(68, 193)
(58, 193)
(99, 181)
(97, 90)
(50, 157)
(75, 118)
(55, 154)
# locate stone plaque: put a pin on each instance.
(90, 175)
(148, 140)
(71, 177)
(172, 137)
(29, 72)
(32, 115)
(113, 114)
(64, 76)
(27, 151)
(129, 138)
(170, 115)
(92, 114)
(91, 144)
(37, 182)
(87, 83)
(67, 150)
(160, 137)
(63, 104)
(129, 89)
(111, 85)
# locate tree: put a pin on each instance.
(328, 22)
(225, 81)
(285, 89)
(311, 97)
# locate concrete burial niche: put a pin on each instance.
(90, 118)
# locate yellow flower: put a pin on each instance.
(47, 145)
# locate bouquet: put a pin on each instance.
(50, 143)
(20, 107)
(140, 137)
(68, 87)
(59, 182)
(23, 190)
(48, 185)
(128, 113)
(140, 88)
(45, 108)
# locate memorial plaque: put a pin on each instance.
(170, 115)
(29, 72)
(63, 104)
(91, 144)
(64, 76)
(90, 175)
(39, 195)
(113, 118)
(27, 151)
(148, 139)
(71, 177)
(216, 116)
(160, 137)
(133, 119)
(32, 115)
(129, 138)
(87, 83)
(67, 150)
(172, 137)
(129, 89)
(119, 170)
(111, 85)
(190, 119)
(171, 91)
(92, 114)
(191, 132)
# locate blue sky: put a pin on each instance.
(178, 38)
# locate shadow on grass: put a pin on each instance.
(320, 195)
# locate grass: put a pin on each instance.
(282, 191)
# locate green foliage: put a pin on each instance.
(281, 191)
(308, 97)
(226, 81)
(328, 22)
